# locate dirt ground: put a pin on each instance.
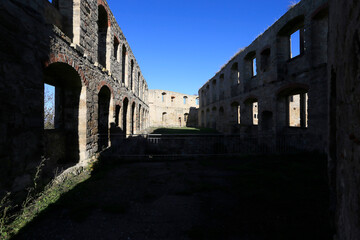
(218, 198)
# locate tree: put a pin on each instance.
(49, 109)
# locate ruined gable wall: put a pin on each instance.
(171, 103)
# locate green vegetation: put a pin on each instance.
(184, 130)
(35, 201)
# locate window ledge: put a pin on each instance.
(294, 58)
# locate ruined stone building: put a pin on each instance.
(172, 109)
(297, 83)
(78, 47)
(276, 88)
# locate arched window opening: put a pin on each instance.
(172, 99)
(123, 63)
(65, 139)
(102, 34)
(265, 59)
(163, 96)
(266, 120)
(222, 91)
(133, 108)
(185, 99)
(138, 119)
(235, 74)
(125, 115)
(116, 48)
(139, 81)
(319, 36)
(103, 118)
(207, 94)
(214, 91)
(221, 111)
(197, 101)
(163, 119)
(235, 106)
(117, 115)
(132, 75)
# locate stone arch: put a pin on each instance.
(67, 142)
(103, 4)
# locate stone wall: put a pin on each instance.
(268, 75)
(344, 92)
(172, 109)
(57, 44)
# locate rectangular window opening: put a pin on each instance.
(295, 44)
(254, 70)
(255, 113)
(49, 106)
(298, 110)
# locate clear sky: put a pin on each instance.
(180, 44)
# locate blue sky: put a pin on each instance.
(181, 44)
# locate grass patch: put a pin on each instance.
(184, 130)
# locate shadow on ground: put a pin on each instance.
(244, 198)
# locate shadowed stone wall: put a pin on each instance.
(344, 81)
(57, 44)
